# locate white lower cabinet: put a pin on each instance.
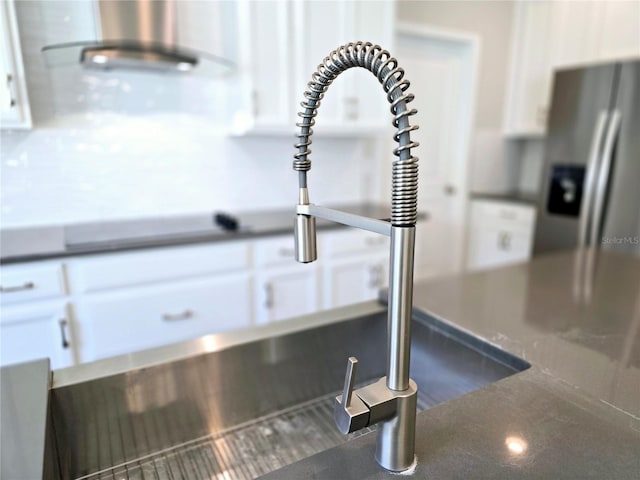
(37, 330)
(353, 280)
(91, 307)
(286, 292)
(127, 320)
(500, 234)
(356, 267)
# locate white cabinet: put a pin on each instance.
(142, 299)
(356, 267)
(530, 85)
(285, 42)
(267, 59)
(286, 292)
(14, 100)
(620, 29)
(36, 330)
(130, 319)
(500, 234)
(283, 288)
(34, 317)
(143, 267)
(90, 307)
(31, 281)
(548, 35)
(353, 280)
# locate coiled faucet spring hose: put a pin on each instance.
(404, 188)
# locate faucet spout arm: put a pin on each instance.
(371, 224)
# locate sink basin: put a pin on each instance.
(251, 409)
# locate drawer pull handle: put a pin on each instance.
(63, 325)
(170, 317)
(504, 241)
(268, 301)
(18, 288)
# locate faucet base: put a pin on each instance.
(395, 445)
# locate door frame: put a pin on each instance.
(472, 43)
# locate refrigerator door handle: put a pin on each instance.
(603, 176)
(592, 170)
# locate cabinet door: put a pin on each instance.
(319, 27)
(620, 36)
(531, 77)
(496, 247)
(34, 331)
(268, 60)
(364, 103)
(355, 100)
(286, 292)
(14, 101)
(123, 321)
(354, 280)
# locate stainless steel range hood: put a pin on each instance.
(138, 34)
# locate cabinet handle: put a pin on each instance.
(450, 190)
(12, 100)
(170, 317)
(504, 241)
(18, 288)
(63, 326)
(375, 276)
(268, 301)
(254, 101)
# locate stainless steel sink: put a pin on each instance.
(248, 410)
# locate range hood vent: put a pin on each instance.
(138, 35)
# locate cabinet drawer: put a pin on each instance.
(502, 214)
(351, 242)
(497, 247)
(128, 320)
(151, 266)
(275, 251)
(21, 283)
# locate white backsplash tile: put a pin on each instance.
(129, 166)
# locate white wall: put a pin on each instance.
(115, 145)
(491, 21)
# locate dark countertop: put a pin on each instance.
(574, 414)
(42, 243)
(515, 196)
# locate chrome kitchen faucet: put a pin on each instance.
(391, 401)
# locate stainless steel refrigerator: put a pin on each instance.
(591, 181)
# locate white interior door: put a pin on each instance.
(442, 75)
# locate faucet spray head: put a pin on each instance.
(305, 233)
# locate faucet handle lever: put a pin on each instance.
(349, 380)
(349, 411)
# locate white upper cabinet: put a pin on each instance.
(529, 88)
(284, 45)
(548, 35)
(14, 101)
(620, 29)
(267, 41)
